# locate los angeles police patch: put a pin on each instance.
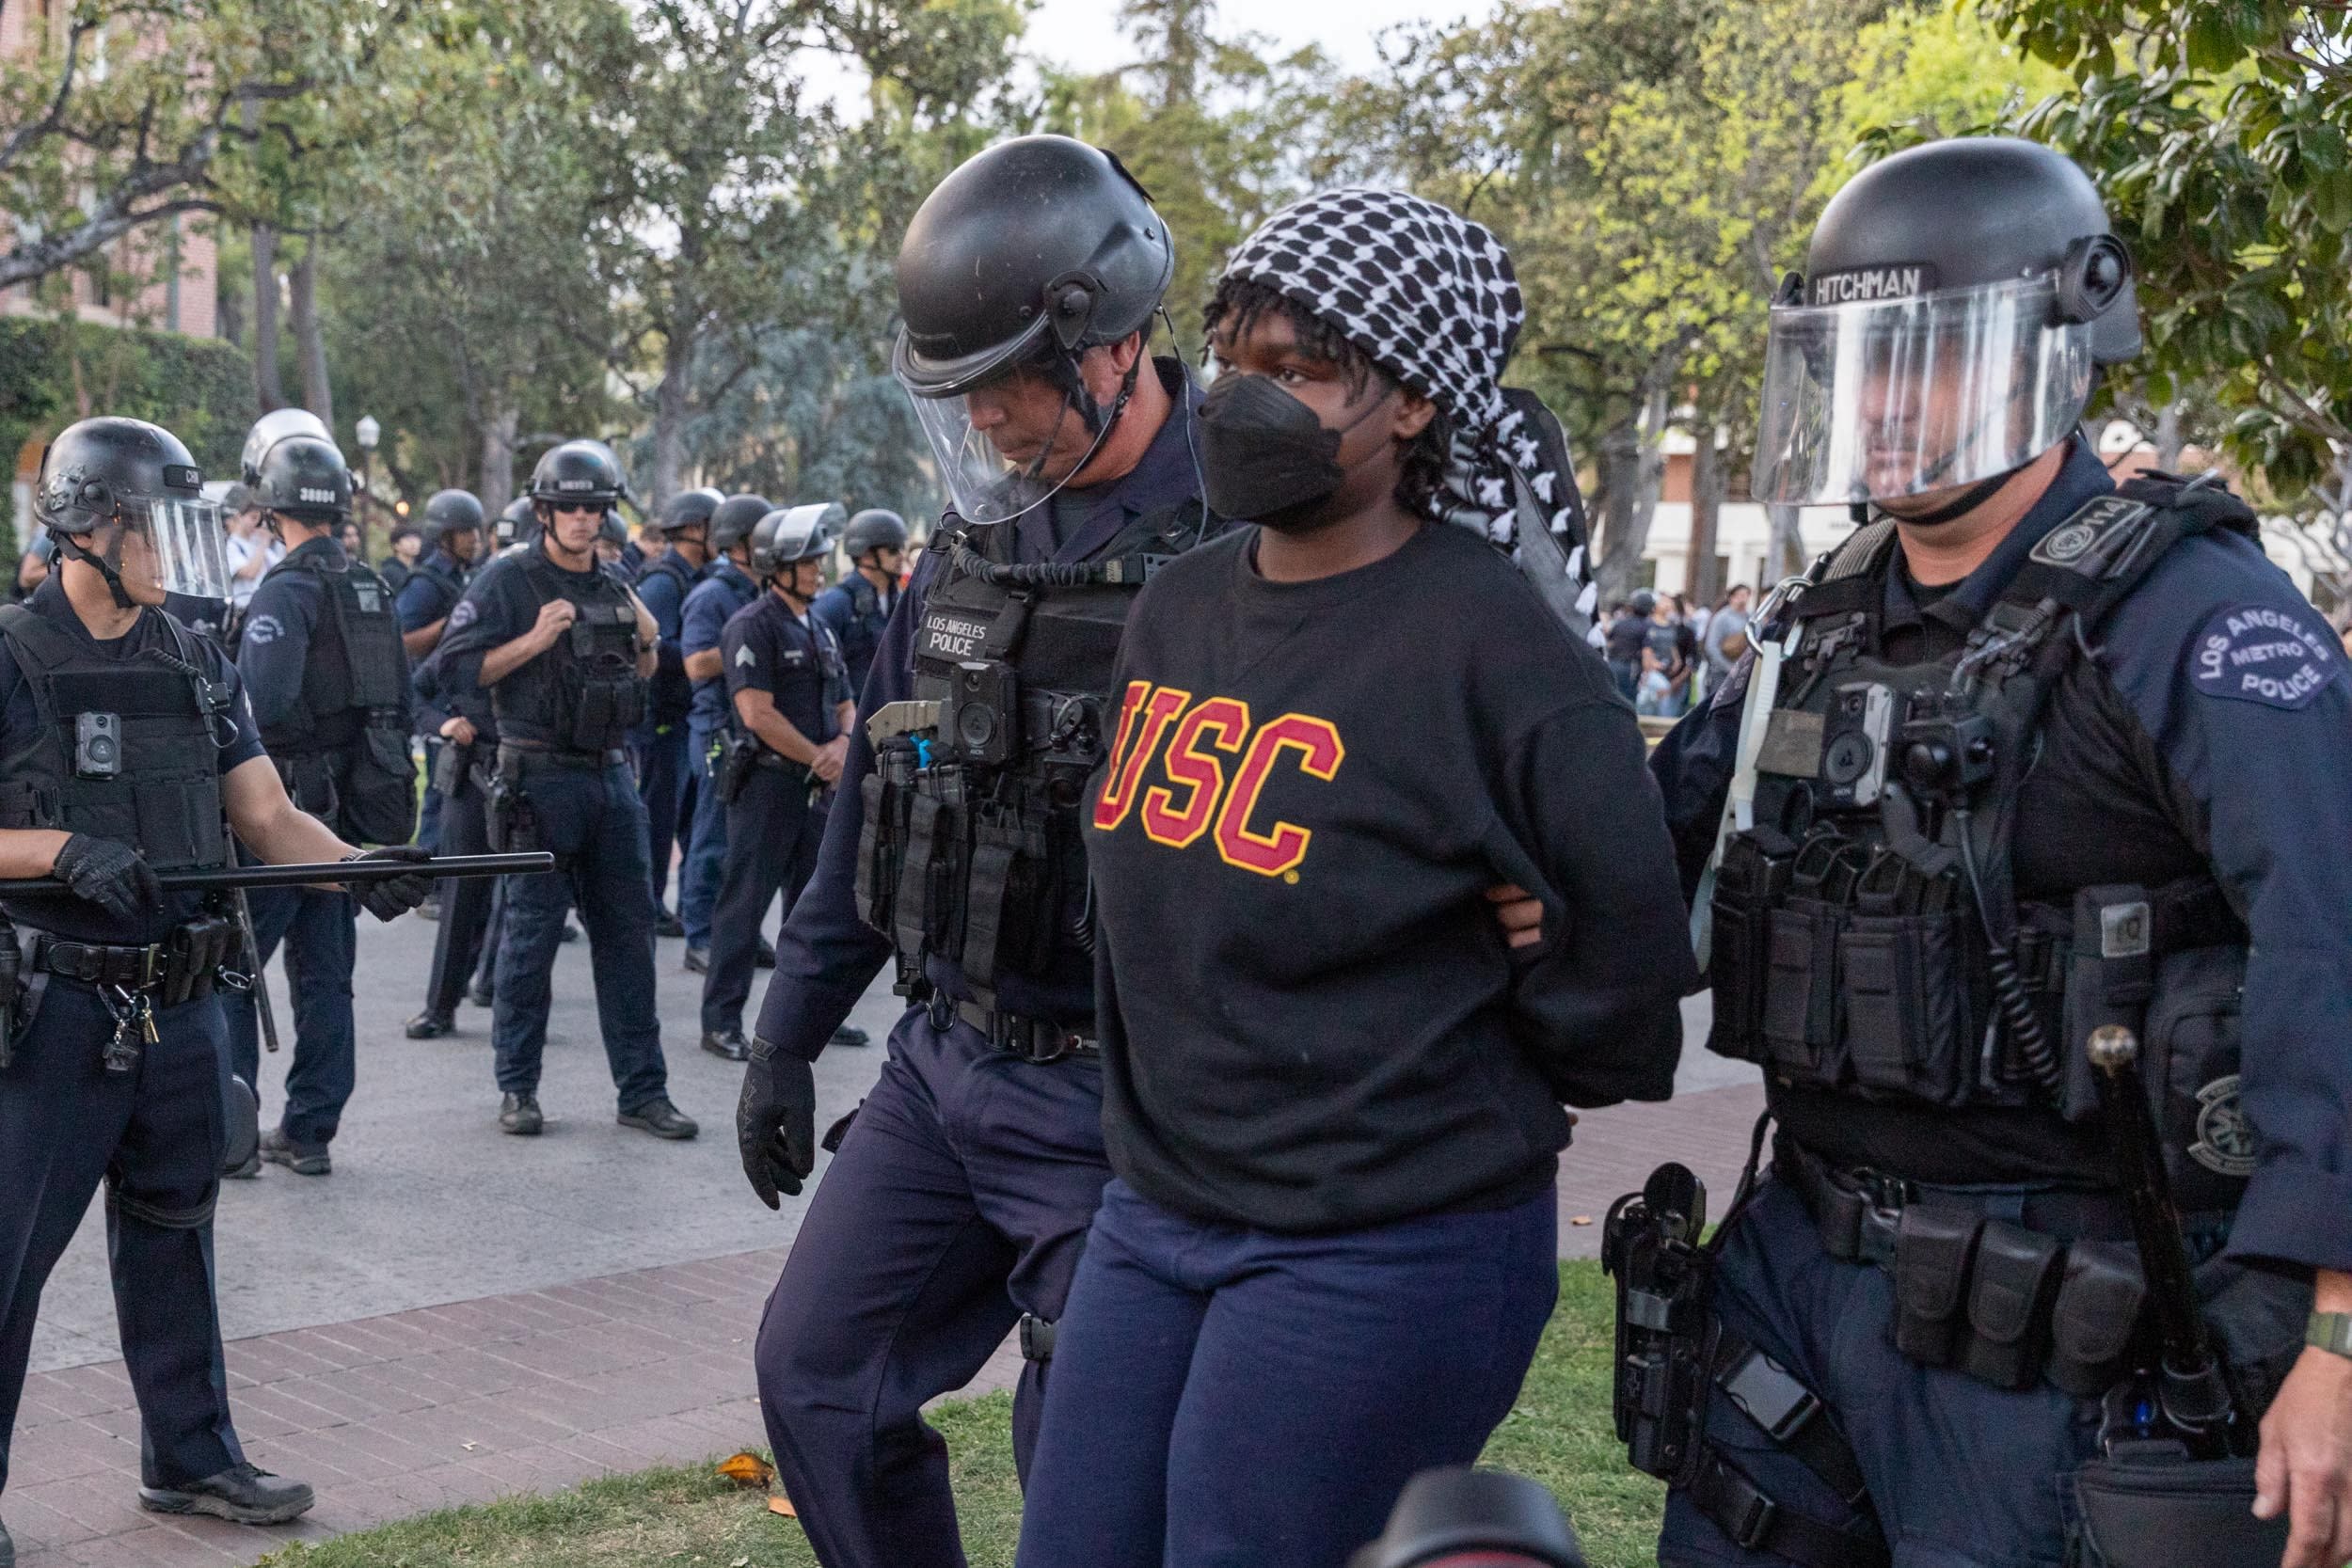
(2261, 654)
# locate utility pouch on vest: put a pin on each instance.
(1800, 1011)
(927, 883)
(380, 795)
(2110, 974)
(1753, 878)
(886, 793)
(1010, 896)
(2092, 1324)
(1933, 1250)
(1908, 1024)
(2190, 1061)
(2009, 1296)
(2168, 1513)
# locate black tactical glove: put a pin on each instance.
(775, 1123)
(110, 874)
(392, 896)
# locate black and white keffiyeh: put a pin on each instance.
(1431, 298)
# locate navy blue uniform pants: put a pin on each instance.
(960, 1200)
(1231, 1397)
(464, 901)
(153, 1136)
(706, 845)
(591, 819)
(661, 772)
(322, 936)
(778, 829)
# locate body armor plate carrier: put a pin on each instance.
(584, 695)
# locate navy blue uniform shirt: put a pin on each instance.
(767, 648)
(724, 589)
(431, 591)
(825, 955)
(2243, 707)
(281, 632)
(239, 741)
(855, 612)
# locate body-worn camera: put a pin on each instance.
(983, 718)
(97, 745)
(1946, 754)
(1854, 738)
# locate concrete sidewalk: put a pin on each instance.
(455, 1315)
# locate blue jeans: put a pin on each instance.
(322, 936)
(66, 1123)
(706, 845)
(1230, 1398)
(593, 822)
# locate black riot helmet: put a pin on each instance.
(450, 512)
(111, 470)
(272, 428)
(517, 524)
(689, 509)
(733, 519)
(612, 531)
(305, 478)
(577, 473)
(1957, 302)
(1028, 255)
(874, 528)
(794, 534)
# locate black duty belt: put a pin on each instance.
(1032, 1039)
(99, 963)
(1859, 1211)
(518, 757)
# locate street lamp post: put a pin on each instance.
(369, 432)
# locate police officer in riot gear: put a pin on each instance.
(452, 534)
(726, 587)
(465, 736)
(324, 669)
(564, 647)
(790, 708)
(128, 746)
(858, 607)
(658, 746)
(2029, 755)
(961, 1194)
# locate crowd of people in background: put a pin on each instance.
(1667, 655)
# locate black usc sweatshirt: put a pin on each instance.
(1311, 1020)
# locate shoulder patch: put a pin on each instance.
(744, 657)
(2262, 653)
(263, 629)
(463, 616)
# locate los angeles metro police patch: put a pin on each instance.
(2261, 654)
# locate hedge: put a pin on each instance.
(200, 388)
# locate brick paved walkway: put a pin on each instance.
(429, 1408)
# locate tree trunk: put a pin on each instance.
(269, 392)
(669, 416)
(1633, 469)
(498, 459)
(310, 342)
(2169, 438)
(1704, 581)
(1785, 557)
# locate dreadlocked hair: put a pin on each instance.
(1240, 303)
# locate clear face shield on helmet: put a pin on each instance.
(1886, 398)
(177, 544)
(1007, 445)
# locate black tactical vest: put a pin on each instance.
(1868, 940)
(127, 749)
(347, 762)
(971, 848)
(584, 694)
(670, 693)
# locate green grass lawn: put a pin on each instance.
(1558, 1433)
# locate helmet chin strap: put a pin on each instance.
(72, 543)
(1958, 506)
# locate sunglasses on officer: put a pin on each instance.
(578, 509)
